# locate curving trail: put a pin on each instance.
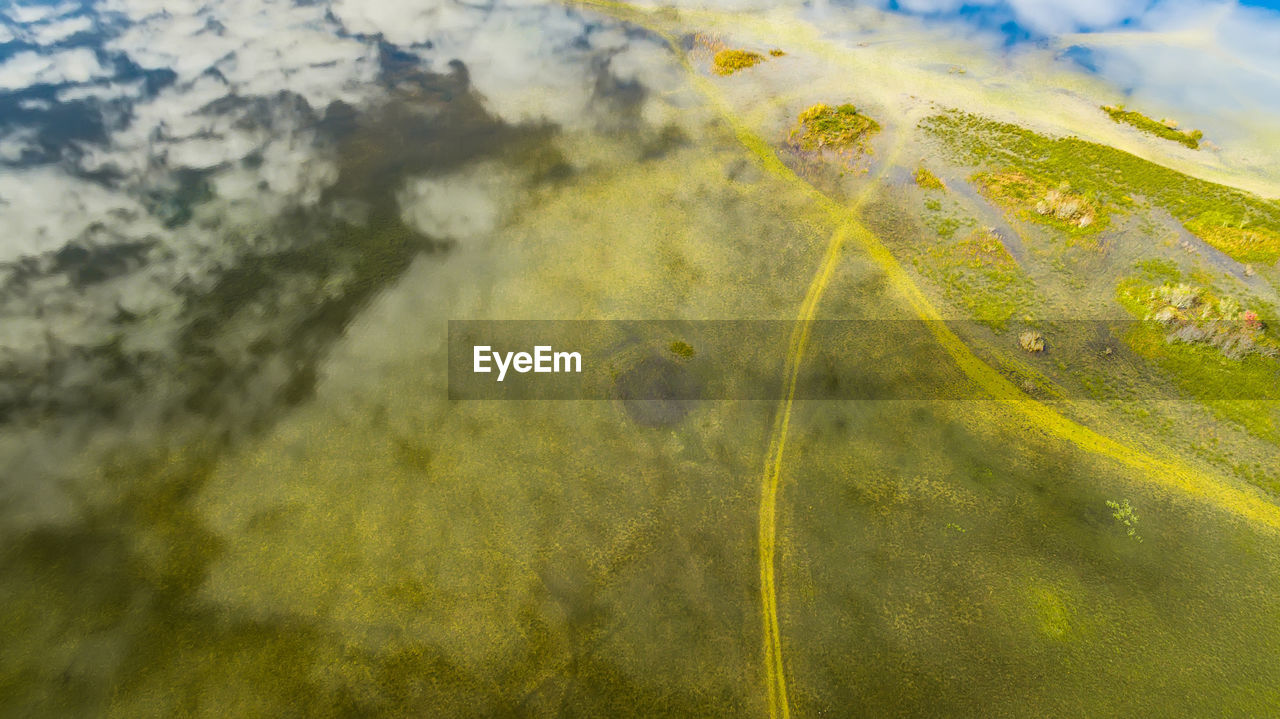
(1170, 474)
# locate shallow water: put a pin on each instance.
(235, 484)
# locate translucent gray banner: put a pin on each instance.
(673, 360)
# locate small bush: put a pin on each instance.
(1123, 513)
(1032, 342)
(1066, 206)
(1194, 316)
(681, 349)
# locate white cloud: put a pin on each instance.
(109, 91)
(522, 74)
(463, 206)
(15, 143)
(24, 14)
(55, 31)
(32, 68)
(1047, 16)
(42, 208)
(261, 47)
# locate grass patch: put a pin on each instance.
(1241, 242)
(681, 349)
(1159, 269)
(841, 128)
(946, 227)
(727, 62)
(1167, 129)
(1112, 177)
(1194, 315)
(927, 180)
(978, 274)
(1033, 198)
(1197, 339)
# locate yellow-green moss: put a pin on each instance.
(978, 274)
(1052, 613)
(727, 62)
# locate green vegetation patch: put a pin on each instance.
(978, 274)
(727, 62)
(1124, 513)
(1159, 269)
(682, 349)
(1034, 198)
(840, 128)
(927, 180)
(1168, 129)
(1207, 344)
(1242, 242)
(1195, 316)
(1112, 177)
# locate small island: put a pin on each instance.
(1168, 129)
